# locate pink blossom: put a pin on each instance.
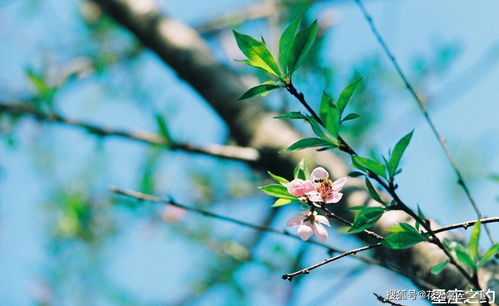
(309, 223)
(326, 191)
(299, 188)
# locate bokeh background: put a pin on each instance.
(66, 240)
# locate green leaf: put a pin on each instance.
(346, 94)
(473, 245)
(310, 142)
(292, 115)
(494, 249)
(374, 194)
(350, 116)
(421, 215)
(261, 89)
(300, 47)
(286, 42)
(326, 102)
(402, 227)
(356, 174)
(366, 218)
(316, 127)
(438, 268)
(277, 190)
(258, 54)
(163, 129)
(397, 153)
(282, 202)
(464, 257)
(277, 178)
(301, 170)
(333, 120)
(403, 239)
(371, 165)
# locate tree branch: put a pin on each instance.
(422, 107)
(251, 124)
(249, 155)
(262, 228)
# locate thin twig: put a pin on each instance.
(145, 197)
(222, 151)
(330, 214)
(436, 133)
(289, 276)
(389, 187)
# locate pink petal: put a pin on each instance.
(295, 187)
(320, 231)
(305, 232)
(318, 173)
(295, 220)
(308, 186)
(339, 183)
(335, 198)
(323, 220)
(314, 196)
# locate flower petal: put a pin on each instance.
(295, 220)
(320, 231)
(295, 187)
(308, 186)
(318, 173)
(334, 198)
(339, 183)
(314, 196)
(305, 231)
(322, 220)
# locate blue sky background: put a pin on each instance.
(156, 265)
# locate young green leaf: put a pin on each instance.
(277, 190)
(261, 89)
(316, 127)
(292, 115)
(421, 215)
(366, 218)
(346, 94)
(350, 116)
(286, 42)
(371, 165)
(333, 120)
(464, 257)
(308, 143)
(397, 153)
(402, 227)
(438, 268)
(374, 194)
(403, 239)
(301, 170)
(494, 249)
(326, 103)
(277, 178)
(163, 129)
(300, 47)
(356, 174)
(282, 202)
(258, 54)
(473, 245)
